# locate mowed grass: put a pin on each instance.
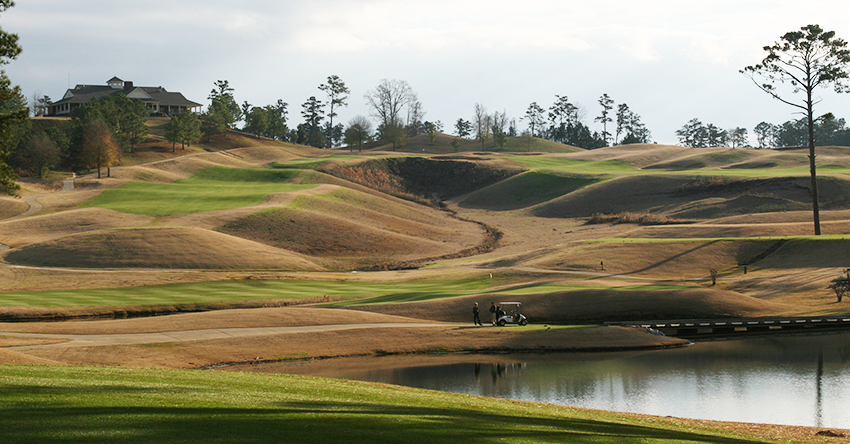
(353, 293)
(225, 291)
(100, 405)
(216, 188)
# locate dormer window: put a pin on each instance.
(115, 83)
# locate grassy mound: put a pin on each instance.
(524, 190)
(36, 229)
(180, 248)
(666, 259)
(321, 235)
(636, 155)
(357, 227)
(718, 158)
(9, 206)
(696, 197)
(595, 305)
(813, 253)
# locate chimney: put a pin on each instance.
(128, 85)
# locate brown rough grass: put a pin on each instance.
(178, 248)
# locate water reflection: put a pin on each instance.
(800, 380)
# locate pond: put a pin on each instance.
(792, 380)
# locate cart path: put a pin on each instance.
(69, 340)
(36, 206)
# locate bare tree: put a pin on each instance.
(39, 104)
(414, 116)
(481, 123)
(498, 123)
(388, 100)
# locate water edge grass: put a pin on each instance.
(108, 405)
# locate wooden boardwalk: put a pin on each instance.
(708, 327)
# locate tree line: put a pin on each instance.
(828, 131)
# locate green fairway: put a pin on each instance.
(356, 293)
(216, 188)
(305, 163)
(224, 291)
(100, 406)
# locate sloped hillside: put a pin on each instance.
(598, 305)
(524, 190)
(179, 248)
(696, 197)
(358, 228)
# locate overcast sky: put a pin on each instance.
(670, 61)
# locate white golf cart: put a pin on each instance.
(509, 313)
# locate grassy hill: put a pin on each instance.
(241, 203)
(240, 222)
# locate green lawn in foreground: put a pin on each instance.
(99, 405)
(216, 188)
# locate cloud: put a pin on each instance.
(669, 60)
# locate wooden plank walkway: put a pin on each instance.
(701, 327)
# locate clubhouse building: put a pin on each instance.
(159, 101)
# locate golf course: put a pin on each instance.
(123, 297)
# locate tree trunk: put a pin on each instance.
(812, 168)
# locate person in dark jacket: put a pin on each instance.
(493, 311)
(476, 317)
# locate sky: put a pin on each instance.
(669, 61)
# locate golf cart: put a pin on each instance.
(509, 313)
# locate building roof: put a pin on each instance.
(154, 94)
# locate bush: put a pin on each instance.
(632, 218)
